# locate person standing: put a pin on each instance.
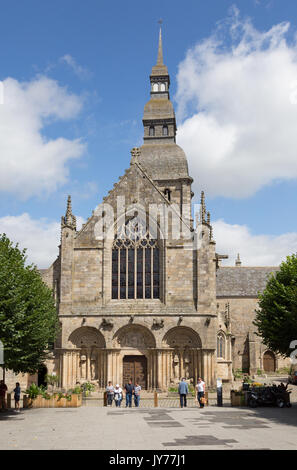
(17, 396)
(183, 391)
(129, 392)
(110, 393)
(200, 389)
(137, 389)
(3, 390)
(118, 395)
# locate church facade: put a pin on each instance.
(140, 290)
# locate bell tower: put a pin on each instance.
(158, 117)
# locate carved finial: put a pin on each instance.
(210, 233)
(202, 208)
(135, 153)
(238, 260)
(208, 218)
(69, 220)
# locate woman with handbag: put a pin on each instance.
(200, 388)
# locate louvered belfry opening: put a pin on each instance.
(135, 264)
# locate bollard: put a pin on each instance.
(105, 399)
(219, 392)
(155, 399)
(8, 401)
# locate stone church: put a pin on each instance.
(140, 290)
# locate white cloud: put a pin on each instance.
(254, 250)
(30, 163)
(82, 72)
(236, 107)
(41, 237)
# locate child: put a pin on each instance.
(17, 396)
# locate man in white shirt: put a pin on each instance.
(200, 389)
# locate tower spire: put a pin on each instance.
(160, 48)
(69, 220)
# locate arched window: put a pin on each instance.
(165, 130)
(162, 87)
(155, 87)
(152, 131)
(135, 264)
(221, 345)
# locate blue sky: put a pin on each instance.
(77, 74)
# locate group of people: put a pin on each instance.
(116, 394)
(17, 396)
(183, 390)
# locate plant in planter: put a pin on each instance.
(52, 380)
(87, 388)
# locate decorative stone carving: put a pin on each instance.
(86, 337)
(134, 336)
(181, 337)
(158, 324)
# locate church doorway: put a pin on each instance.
(135, 368)
(42, 372)
(269, 362)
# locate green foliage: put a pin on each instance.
(284, 371)
(76, 390)
(33, 391)
(28, 318)
(276, 318)
(87, 387)
(51, 379)
(259, 372)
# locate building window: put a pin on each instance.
(167, 193)
(221, 345)
(152, 131)
(165, 130)
(155, 87)
(135, 266)
(162, 87)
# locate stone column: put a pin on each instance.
(64, 370)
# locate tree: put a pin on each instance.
(28, 316)
(276, 318)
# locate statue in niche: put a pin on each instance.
(93, 367)
(175, 364)
(187, 364)
(83, 366)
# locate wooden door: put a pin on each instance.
(269, 362)
(135, 368)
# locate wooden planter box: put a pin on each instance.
(237, 399)
(53, 402)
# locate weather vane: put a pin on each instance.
(160, 22)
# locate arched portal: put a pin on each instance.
(137, 357)
(184, 345)
(269, 361)
(85, 361)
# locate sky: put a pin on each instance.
(74, 80)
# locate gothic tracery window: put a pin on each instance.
(135, 264)
(221, 345)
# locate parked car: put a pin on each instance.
(292, 379)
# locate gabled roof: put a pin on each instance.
(242, 281)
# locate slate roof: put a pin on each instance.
(242, 281)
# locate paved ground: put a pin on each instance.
(167, 427)
(147, 428)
